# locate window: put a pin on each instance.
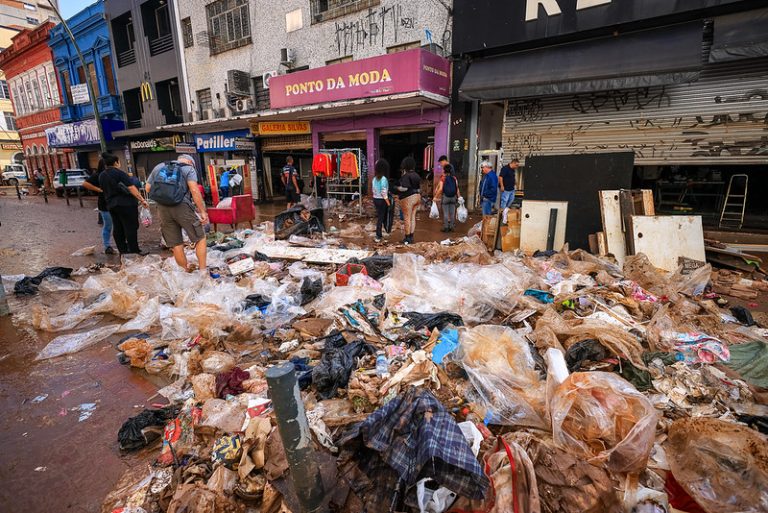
(260, 94)
(162, 20)
(109, 75)
(324, 10)
(293, 21)
(229, 25)
(32, 21)
(66, 86)
(45, 90)
(29, 7)
(204, 102)
(30, 96)
(130, 35)
(80, 75)
(94, 79)
(186, 32)
(54, 87)
(5, 94)
(346, 58)
(38, 97)
(403, 47)
(21, 100)
(10, 121)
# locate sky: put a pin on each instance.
(69, 8)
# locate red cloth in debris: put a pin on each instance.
(231, 382)
(679, 498)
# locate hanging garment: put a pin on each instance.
(323, 165)
(349, 167)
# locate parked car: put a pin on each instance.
(14, 174)
(75, 180)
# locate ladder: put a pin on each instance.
(732, 215)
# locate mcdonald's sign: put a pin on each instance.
(146, 92)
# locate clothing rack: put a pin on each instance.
(342, 188)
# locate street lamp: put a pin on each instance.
(94, 103)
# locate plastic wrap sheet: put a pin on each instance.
(502, 370)
(57, 284)
(603, 418)
(474, 292)
(328, 303)
(723, 466)
(66, 344)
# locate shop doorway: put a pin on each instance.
(274, 162)
(397, 144)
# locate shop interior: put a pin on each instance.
(397, 144)
(274, 161)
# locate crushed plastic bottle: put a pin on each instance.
(382, 364)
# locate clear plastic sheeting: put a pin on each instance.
(471, 291)
(502, 370)
(66, 344)
(56, 284)
(723, 466)
(603, 418)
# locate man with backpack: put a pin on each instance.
(173, 186)
(448, 188)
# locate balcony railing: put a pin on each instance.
(109, 104)
(161, 45)
(126, 58)
(68, 113)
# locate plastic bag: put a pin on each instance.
(722, 465)
(56, 284)
(86, 251)
(145, 216)
(216, 362)
(66, 344)
(434, 212)
(603, 418)
(226, 416)
(502, 371)
(461, 213)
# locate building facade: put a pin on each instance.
(78, 130)
(150, 76)
(31, 75)
(241, 75)
(680, 86)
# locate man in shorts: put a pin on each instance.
(182, 216)
(289, 177)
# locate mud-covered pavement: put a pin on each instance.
(58, 431)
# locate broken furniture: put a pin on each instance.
(241, 211)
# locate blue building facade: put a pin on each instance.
(79, 131)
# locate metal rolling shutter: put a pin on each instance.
(720, 119)
(286, 142)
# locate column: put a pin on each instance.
(372, 151)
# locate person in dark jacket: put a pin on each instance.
(410, 196)
(489, 187)
(92, 184)
(123, 200)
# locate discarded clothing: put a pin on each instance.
(29, 285)
(377, 265)
(409, 438)
(446, 344)
(231, 244)
(310, 289)
(743, 315)
(133, 434)
(419, 321)
(231, 382)
(695, 347)
(542, 295)
(227, 451)
(256, 301)
(585, 351)
(751, 362)
(335, 367)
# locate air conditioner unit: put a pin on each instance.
(238, 82)
(242, 105)
(267, 76)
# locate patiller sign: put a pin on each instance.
(404, 72)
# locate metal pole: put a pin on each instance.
(94, 102)
(4, 308)
(18, 192)
(297, 439)
(79, 196)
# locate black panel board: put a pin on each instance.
(578, 179)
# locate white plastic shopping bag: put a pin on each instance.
(434, 213)
(461, 212)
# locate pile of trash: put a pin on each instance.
(443, 379)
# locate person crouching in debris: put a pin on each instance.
(381, 195)
(173, 186)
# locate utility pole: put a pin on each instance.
(94, 100)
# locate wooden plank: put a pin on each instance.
(490, 231)
(602, 246)
(610, 212)
(535, 225)
(648, 207)
(593, 248)
(664, 239)
(627, 206)
(313, 255)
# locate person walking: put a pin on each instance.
(290, 181)
(507, 184)
(448, 189)
(174, 187)
(92, 184)
(122, 201)
(381, 201)
(489, 187)
(236, 183)
(224, 183)
(410, 196)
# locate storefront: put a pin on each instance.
(147, 153)
(227, 151)
(82, 138)
(690, 103)
(279, 140)
(38, 155)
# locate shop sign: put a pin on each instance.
(156, 144)
(185, 147)
(236, 140)
(11, 146)
(80, 94)
(402, 72)
(281, 128)
(481, 26)
(80, 133)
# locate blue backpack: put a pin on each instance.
(169, 188)
(449, 186)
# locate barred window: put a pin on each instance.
(4, 92)
(186, 32)
(229, 25)
(10, 121)
(204, 102)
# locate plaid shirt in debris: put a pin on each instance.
(417, 438)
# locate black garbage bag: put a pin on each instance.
(257, 300)
(28, 285)
(743, 315)
(334, 340)
(586, 350)
(303, 372)
(299, 221)
(440, 320)
(335, 368)
(377, 265)
(310, 289)
(260, 257)
(144, 428)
